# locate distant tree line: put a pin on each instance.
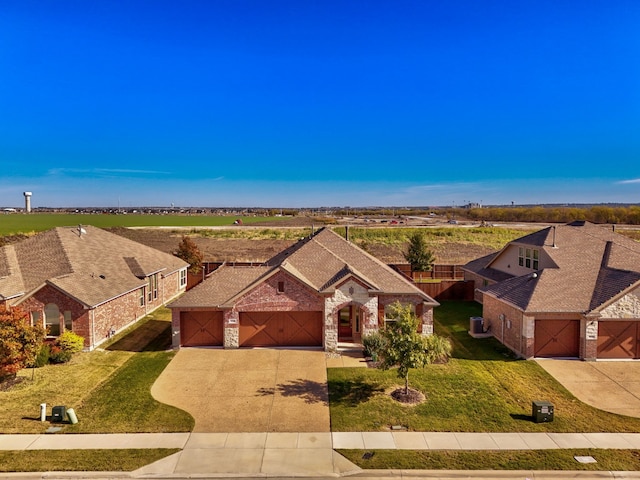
(597, 214)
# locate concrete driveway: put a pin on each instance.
(248, 390)
(612, 386)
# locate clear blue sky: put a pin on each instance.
(314, 103)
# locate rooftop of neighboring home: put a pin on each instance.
(586, 265)
(88, 263)
(320, 261)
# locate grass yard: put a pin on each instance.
(80, 460)
(37, 222)
(482, 389)
(607, 460)
(109, 389)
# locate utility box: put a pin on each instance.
(58, 414)
(542, 411)
(475, 324)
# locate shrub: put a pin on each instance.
(58, 355)
(71, 342)
(372, 343)
(65, 346)
(42, 358)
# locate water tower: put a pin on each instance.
(27, 201)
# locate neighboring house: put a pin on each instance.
(566, 291)
(87, 280)
(321, 291)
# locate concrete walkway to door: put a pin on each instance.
(612, 386)
(248, 390)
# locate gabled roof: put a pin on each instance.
(321, 261)
(593, 265)
(90, 265)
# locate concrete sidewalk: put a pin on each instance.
(302, 454)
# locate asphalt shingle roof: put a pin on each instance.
(594, 265)
(320, 261)
(92, 267)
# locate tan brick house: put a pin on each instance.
(87, 280)
(321, 291)
(565, 291)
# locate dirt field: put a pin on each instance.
(245, 250)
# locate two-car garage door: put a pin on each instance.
(257, 329)
(271, 329)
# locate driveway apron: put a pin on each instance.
(612, 386)
(248, 390)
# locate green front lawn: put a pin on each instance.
(80, 460)
(481, 389)
(108, 389)
(607, 460)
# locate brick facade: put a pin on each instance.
(297, 296)
(97, 324)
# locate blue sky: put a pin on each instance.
(315, 103)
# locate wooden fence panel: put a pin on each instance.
(449, 289)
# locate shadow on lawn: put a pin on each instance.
(310, 391)
(152, 336)
(352, 392)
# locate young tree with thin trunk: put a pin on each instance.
(405, 348)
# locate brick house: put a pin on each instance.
(87, 280)
(321, 291)
(565, 291)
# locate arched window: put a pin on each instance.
(52, 319)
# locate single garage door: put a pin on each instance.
(199, 329)
(618, 339)
(557, 338)
(271, 329)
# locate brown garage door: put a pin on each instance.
(618, 339)
(199, 329)
(557, 338)
(270, 329)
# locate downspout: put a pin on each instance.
(93, 328)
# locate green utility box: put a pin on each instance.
(58, 414)
(542, 411)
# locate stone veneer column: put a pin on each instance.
(427, 320)
(589, 338)
(231, 329)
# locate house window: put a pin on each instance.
(142, 297)
(52, 319)
(280, 287)
(68, 322)
(152, 293)
(183, 278)
(528, 258)
(35, 319)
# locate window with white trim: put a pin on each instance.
(152, 292)
(68, 321)
(142, 295)
(183, 277)
(528, 257)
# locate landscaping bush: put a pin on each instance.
(65, 346)
(58, 355)
(71, 342)
(372, 343)
(42, 358)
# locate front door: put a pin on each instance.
(349, 324)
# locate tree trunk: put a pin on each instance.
(406, 384)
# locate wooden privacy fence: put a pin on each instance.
(444, 282)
